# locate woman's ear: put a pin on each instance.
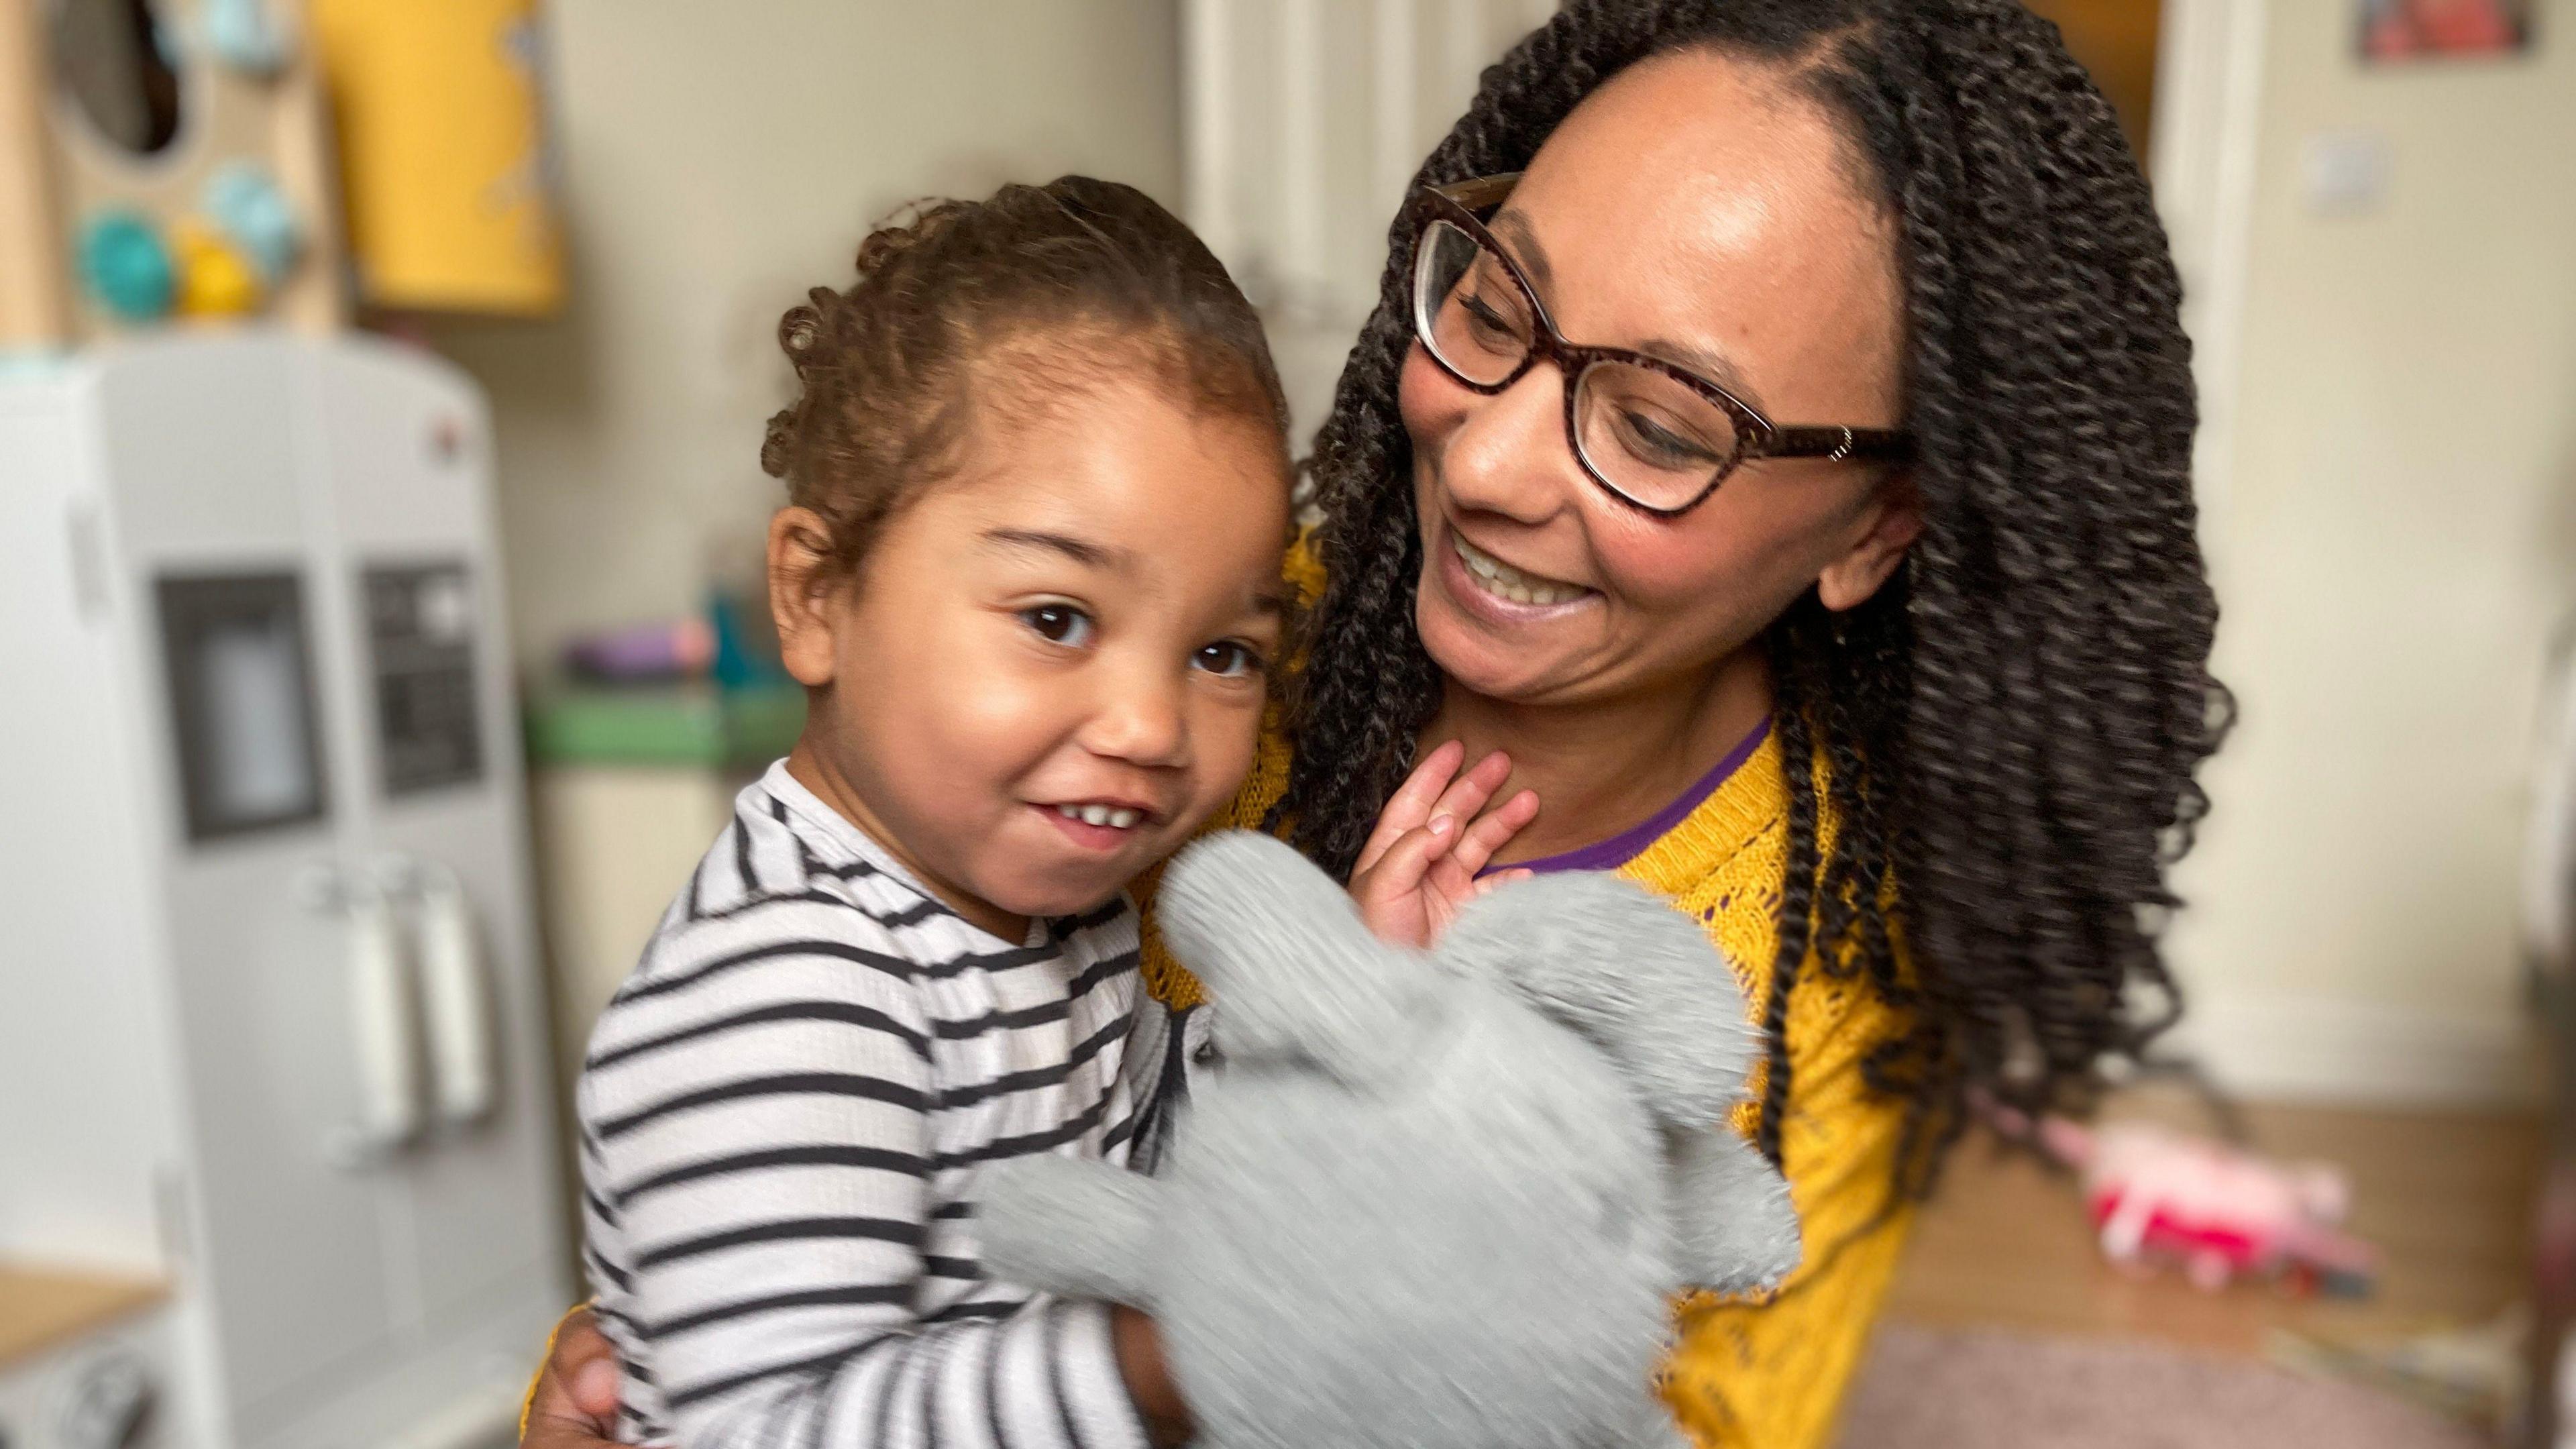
(801, 595)
(1893, 521)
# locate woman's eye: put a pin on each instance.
(1059, 623)
(1650, 442)
(1227, 660)
(1489, 326)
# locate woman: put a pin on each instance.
(1774, 437)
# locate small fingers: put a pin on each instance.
(1468, 793)
(1400, 870)
(1410, 807)
(1390, 895)
(1493, 830)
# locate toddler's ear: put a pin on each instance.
(800, 594)
(1637, 978)
(1295, 973)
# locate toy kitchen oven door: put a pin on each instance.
(266, 870)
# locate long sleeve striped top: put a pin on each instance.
(782, 1114)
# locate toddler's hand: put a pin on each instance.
(1419, 867)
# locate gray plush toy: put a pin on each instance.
(1431, 1200)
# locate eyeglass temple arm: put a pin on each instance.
(1838, 443)
(1481, 192)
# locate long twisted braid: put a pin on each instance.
(2009, 728)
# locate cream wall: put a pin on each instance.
(2393, 534)
(2394, 539)
(717, 160)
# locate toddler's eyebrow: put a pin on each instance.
(1081, 550)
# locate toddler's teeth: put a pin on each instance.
(1123, 819)
(1095, 814)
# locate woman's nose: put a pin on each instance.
(1508, 454)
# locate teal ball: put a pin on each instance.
(126, 266)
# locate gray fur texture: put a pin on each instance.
(1432, 1201)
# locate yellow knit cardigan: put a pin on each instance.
(1766, 1373)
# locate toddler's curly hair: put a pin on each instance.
(1009, 301)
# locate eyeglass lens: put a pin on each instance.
(1642, 431)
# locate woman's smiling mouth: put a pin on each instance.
(1496, 579)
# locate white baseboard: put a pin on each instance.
(2329, 1051)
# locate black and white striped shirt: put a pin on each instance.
(782, 1115)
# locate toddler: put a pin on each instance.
(1029, 574)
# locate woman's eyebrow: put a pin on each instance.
(1528, 255)
(1531, 257)
(1713, 366)
(1084, 551)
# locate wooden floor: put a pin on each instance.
(2447, 1197)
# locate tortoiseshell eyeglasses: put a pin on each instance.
(1656, 435)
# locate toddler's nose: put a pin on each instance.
(1139, 720)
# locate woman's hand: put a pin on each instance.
(574, 1405)
(1419, 867)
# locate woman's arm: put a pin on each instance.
(573, 1404)
(1149, 1383)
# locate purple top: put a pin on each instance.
(1630, 843)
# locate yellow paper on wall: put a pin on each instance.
(440, 117)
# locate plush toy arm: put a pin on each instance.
(1076, 1228)
(1734, 1225)
(1298, 975)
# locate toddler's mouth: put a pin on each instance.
(1116, 817)
(1099, 825)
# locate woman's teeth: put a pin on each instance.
(1503, 581)
(1112, 816)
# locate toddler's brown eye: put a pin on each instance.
(1059, 623)
(1227, 659)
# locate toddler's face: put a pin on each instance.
(1052, 669)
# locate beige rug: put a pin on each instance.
(1926, 1389)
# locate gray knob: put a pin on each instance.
(110, 1400)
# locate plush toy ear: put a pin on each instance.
(1295, 974)
(1631, 974)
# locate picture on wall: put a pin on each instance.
(2397, 31)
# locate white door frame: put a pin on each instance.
(2201, 157)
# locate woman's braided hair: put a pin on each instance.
(2010, 727)
(1073, 280)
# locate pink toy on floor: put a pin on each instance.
(2219, 1212)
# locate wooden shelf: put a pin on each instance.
(41, 1308)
